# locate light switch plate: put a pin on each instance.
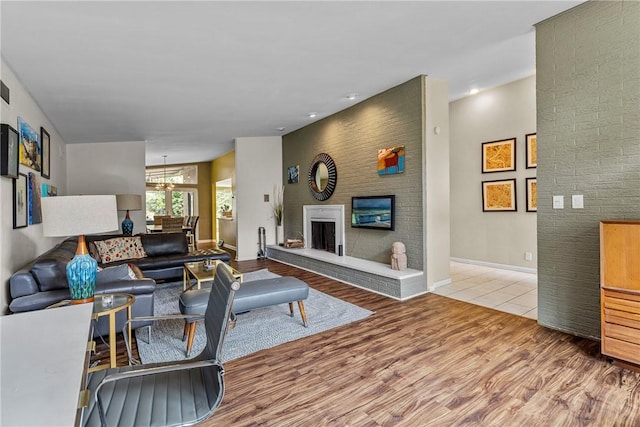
(558, 202)
(577, 201)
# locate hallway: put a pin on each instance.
(504, 290)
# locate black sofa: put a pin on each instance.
(166, 254)
(43, 281)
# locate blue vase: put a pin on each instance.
(127, 225)
(81, 276)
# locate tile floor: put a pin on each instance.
(505, 290)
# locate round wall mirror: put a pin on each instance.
(323, 177)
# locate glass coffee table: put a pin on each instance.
(197, 271)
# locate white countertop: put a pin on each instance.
(42, 357)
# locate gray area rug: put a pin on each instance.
(256, 330)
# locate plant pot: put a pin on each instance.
(279, 234)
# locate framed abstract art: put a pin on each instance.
(499, 156)
(499, 196)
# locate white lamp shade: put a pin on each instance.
(74, 215)
(129, 202)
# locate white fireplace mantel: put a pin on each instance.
(326, 213)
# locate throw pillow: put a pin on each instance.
(120, 248)
(93, 251)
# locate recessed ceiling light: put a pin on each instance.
(281, 129)
(352, 96)
(312, 114)
(474, 91)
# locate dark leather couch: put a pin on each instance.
(166, 255)
(43, 281)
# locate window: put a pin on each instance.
(171, 191)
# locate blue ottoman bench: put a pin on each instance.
(250, 296)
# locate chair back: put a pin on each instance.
(157, 219)
(172, 225)
(218, 314)
(193, 223)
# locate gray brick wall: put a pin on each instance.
(588, 109)
(352, 138)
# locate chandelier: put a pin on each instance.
(164, 185)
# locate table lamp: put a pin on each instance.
(79, 215)
(128, 202)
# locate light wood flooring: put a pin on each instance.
(429, 361)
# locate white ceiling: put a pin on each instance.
(189, 77)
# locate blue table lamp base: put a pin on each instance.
(127, 225)
(81, 274)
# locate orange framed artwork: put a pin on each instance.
(532, 194)
(499, 156)
(531, 149)
(499, 196)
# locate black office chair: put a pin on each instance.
(172, 393)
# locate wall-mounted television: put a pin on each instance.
(375, 212)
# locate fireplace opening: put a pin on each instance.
(323, 235)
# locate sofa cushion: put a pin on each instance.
(164, 244)
(51, 273)
(120, 248)
(111, 274)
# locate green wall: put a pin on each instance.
(352, 138)
(588, 102)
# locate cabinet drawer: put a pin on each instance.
(621, 301)
(621, 350)
(622, 333)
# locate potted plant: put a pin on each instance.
(225, 210)
(278, 212)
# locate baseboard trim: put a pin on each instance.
(439, 283)
(495, 265)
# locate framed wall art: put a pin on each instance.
(499, 196)
(293, 173)
(30, 155)
(531, 150)
(532, 194)
(20, 202)
(46, 150)
(34, 199)
(499, 156)
(9, 149)
(391, 160)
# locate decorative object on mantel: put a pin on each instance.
(128, 202)
(278, 212)
(79, 215)
(296, 243)
(391, 160)
(323, 177)
(398, 256)
(9, 151)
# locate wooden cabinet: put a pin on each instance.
(620, 289)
